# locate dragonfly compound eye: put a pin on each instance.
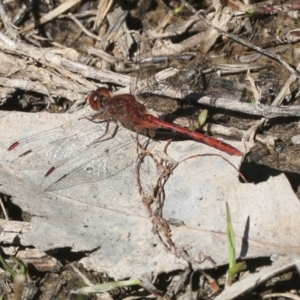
(98, 98)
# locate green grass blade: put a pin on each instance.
(230, 238)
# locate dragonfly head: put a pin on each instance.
(97, 99)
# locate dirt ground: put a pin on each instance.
(245, 52)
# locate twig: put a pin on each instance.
(42, 88)
(235, 133)
(154, 35)
(285, 90)
(61, 64)
(9, 26)
(103, 9)
(51, 15)
(268, 112)
(83, 29)
(3, 208)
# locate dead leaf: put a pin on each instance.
(108, 216)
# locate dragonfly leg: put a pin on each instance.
(98, 116)
(103, 135)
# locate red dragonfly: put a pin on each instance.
(77, 157)
(133, 115)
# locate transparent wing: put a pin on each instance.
(70, 156)
(48, 148)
